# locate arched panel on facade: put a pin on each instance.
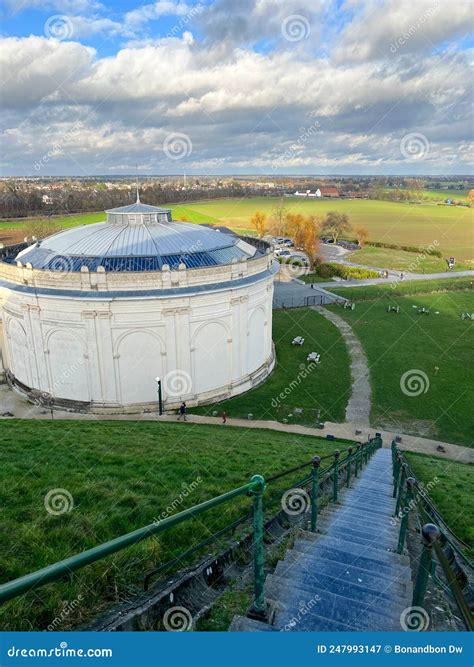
(139, 363)
(212, 361)
(19, 356)
(256, 337)
(67, 364)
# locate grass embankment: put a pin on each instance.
(437, 348)
(401, 260)
(121, 476)
(451, 491)
(391, 289)
(295, 384)
(390, 222)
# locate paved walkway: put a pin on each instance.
(21, 409)
(358, 407)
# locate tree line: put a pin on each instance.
(306, 230)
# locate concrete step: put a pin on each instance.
(327, 564)
(330, 542)
(380, 542)
(322, 585)
(333, 607)
(372, 515)
(344, 556)
(351, 580)
(385, 527)
(359, 518)
(244, 624)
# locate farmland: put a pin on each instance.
(417, 225)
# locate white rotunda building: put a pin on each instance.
(91, 316)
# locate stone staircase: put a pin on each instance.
(347, 576)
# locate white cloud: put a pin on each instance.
(240, 108)
(137, 18)
(385, 28)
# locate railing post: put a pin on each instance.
(349, 461)
(401, 482)
(430, 533)
(405, 512)
(259, 607)
(356, 460)
(336, 475)
(314, 492)
(396, 473)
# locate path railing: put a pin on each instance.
(437, 539)
(342, 465)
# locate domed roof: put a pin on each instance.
(136, 238)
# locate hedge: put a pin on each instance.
(407, 248)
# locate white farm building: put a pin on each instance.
(92, 315)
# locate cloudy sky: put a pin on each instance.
(236, 87)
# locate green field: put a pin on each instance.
(295, 384)
(452, 492)
(121, 476)
(401, 260)
(417, 225)
(391, 290)
(418, 344)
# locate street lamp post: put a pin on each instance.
(160, 397)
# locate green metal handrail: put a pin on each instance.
(57, 570)
(405, 484)
(255, 488)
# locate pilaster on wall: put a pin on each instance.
(106, 356)
(97, 390)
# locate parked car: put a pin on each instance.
(288, 243)
(282, 252)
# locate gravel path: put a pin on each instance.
(358, 408)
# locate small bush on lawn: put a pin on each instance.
(330, 269)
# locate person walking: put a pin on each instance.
(224, 417)
(182, 412)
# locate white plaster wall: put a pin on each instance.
(109, 352)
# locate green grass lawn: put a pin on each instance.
(294, 383)
(408, 342)
(451, 491)
(391, 222)
(121, 476)
(390, 290)
(401, 260)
